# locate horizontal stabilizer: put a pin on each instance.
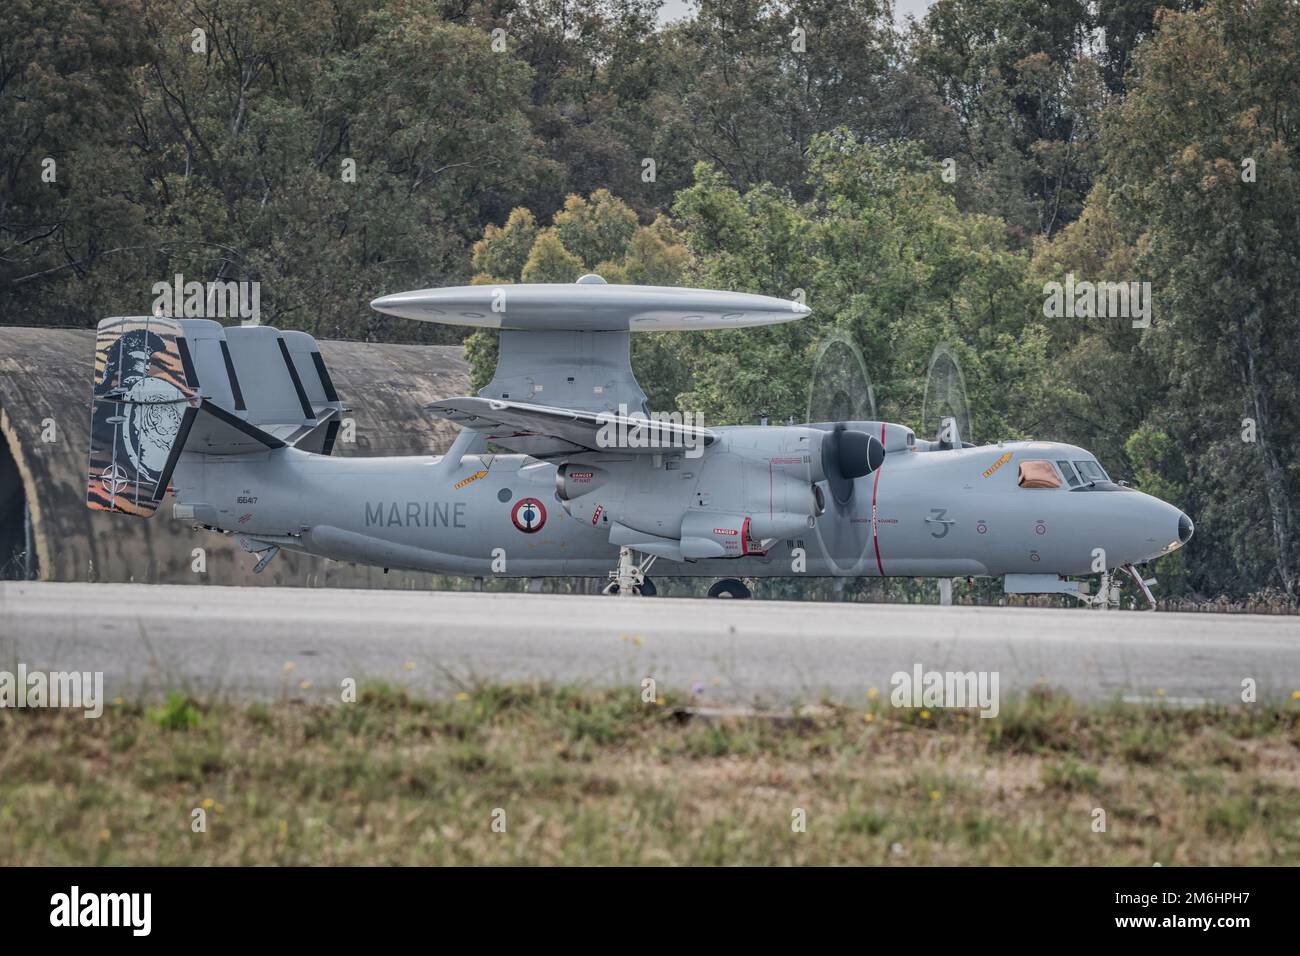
(215, 431)
(319, 438)
(542, 430)
(272, 379)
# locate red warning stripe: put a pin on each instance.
(875, 487)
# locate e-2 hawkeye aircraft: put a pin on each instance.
(239, 424)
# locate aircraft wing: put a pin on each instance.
(545, 431)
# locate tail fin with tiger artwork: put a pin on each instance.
(143, 406)
(166, 387)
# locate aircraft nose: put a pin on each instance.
(1152, 523)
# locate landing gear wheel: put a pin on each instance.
(729, 588)
(646, 588)
(629, 578)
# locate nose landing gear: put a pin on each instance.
(1144, 585)
(1107, 595)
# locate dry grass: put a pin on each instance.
(597, 777)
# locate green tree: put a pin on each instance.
(549, 261)
(328, 149)
(72, 205)
(1028, 88)
(1215, 97)
(656, 255)
(595, 230)
(503, 250)
(653, 255)
(752, 84)
(883, 256)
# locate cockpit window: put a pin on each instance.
(1091, 471)
(1038, 474)
(1068, 470)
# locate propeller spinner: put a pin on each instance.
(848, 454)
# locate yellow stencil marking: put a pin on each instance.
(997, 464)
(474, 477)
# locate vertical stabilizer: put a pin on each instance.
(144, 400)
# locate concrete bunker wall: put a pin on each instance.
(47, 532)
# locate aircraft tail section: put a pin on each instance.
(274, 380)
(141, 397)
(305, 360)
(169, 387)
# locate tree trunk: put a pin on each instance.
(1275, 480)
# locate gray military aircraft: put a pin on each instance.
(239, 423)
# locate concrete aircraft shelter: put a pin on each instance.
(48, 533)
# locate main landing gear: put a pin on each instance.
(729, 588)
(629, 578)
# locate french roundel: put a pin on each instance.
(529, 515)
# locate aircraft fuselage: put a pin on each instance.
(922, 513)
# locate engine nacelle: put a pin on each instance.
(575, 480)
(706, 534)
(750, 488)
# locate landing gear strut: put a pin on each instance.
(266, 558)
(1143, 585)
(629, 578)
(264, 550)
(1107, 595)
(729, 588)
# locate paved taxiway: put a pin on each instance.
(265, 642)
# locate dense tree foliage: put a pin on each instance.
(918, 185)
(1200, 194)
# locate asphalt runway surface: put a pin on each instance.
(303, 643)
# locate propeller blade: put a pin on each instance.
(840, 391)
(945, 410)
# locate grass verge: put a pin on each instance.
(588, 776)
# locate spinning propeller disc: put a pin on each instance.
(945, 398)
(840, 392)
